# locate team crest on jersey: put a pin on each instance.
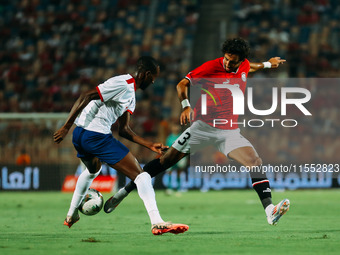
(244, 77)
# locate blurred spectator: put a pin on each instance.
(23, 159)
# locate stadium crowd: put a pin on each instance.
(51, 51)
(307, 34)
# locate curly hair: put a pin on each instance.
(147, 63)
(237, 46)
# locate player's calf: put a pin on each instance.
(153, 168)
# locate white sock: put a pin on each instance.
(269, 209)
(83, 183)
(147, 194)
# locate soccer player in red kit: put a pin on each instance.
(230, 70)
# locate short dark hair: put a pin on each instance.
(237, 46)
(147, 63)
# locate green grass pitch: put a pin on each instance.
(221, 222)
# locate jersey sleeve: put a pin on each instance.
(202, 71)
(131, 107)
(111, 91)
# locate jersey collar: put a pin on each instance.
(132, 80)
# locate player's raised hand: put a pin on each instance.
(186, 116)
(60, 134)
(276, 62)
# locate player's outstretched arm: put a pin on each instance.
(78, 106)
(271, 63)
(182, 92)
(126, 132)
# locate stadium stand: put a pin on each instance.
(51, 51)
(306, 33)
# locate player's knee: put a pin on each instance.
(258, 161)
(93, 165)
(254, 161)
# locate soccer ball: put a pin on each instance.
(92, 202)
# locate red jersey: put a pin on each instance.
(219, 102)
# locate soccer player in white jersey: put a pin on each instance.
(93, 113)
(233, 65)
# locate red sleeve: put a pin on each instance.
(200, 72)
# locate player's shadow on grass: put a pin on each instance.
(325, 231)
(210, 232)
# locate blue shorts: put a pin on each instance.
(103, 146)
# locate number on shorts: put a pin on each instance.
(185, 138)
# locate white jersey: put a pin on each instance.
(117, 95)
